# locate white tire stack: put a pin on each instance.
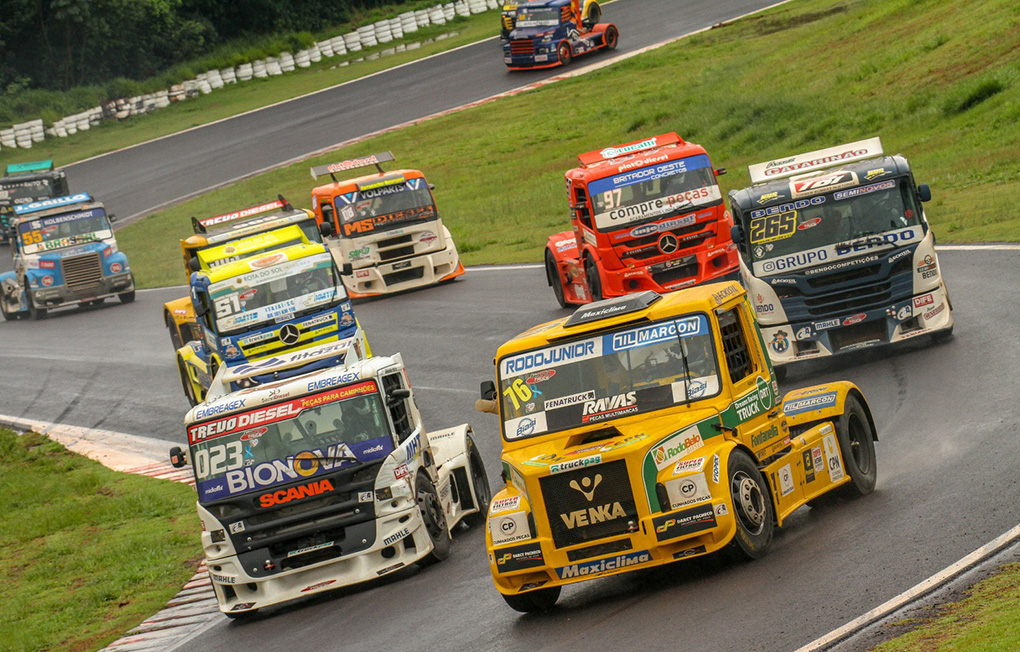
(449, 11)
(273, 67)
(228, 75)
(383, 33)
(421, 16)
(367, 34)
(287, 62)
(437, 16)
(409, 22)
(352, 41)
(339, 45)
(245, 72)
(396, 28)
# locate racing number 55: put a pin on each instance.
(518, 392)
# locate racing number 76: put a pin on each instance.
(518, 392)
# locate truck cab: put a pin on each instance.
(220, 231)
(649, 428)
(386, 226)
(288, 300)
(548, 33)
(65, 254)
(324, 480)
(837, 254)
(25, 183)
(647, 215)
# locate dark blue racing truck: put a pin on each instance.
(549, 33)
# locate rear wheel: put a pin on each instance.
(175, 336)
(538, 600)
(591, 274)
(189, 389)
(857, 446)
(594, 15)
(552, 273)
(752, 509)
(564, 53)
(480, 481)
(611, 37)
(435, 519)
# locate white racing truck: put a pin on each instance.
(323, 480)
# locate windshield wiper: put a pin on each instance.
(332, 458)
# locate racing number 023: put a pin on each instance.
(773, 227)
(209, 461)
(518, 392)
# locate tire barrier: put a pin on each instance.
(23, 135)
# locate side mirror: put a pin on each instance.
(111, 217)
(432, 186)
(346, 269)
(397, 395)
(194, 264)
(488, 390)
(737, 235)
(924, 192)
(326, 229)
(178, 458)
(720, 171)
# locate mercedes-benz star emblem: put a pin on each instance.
(290, 334)
(668, 243)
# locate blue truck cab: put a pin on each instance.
(65, 254)
(548, 33)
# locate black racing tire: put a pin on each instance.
(611, 37)
(532, 601)
(175, 333)
(8, 316)
(857, 446)
(564, 53)
(126, 297)
(552, 273)
(189, 390)
(434, 518)
(752, 509)
(594, 15)
(33, 312)
(591, 275)
(482, 495)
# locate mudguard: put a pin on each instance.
(12, 294)
(449, 452)
(563, 248)
(823, 403)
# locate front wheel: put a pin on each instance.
(8, 316)
(189, 389)
(434, 518)
(34, 313)
(752, 509)
(564, 53)
(532, 601)
(611, 37)
(126, 297)
(552, 273)
(480, 481)
(591, 274)
(857, 446)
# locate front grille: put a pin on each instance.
(868, 331)
(599, 549)
(854, 299)
(647, 246)
(589, 504)
(399, 252)
(404, 275)
(83, 274)
(522, 46)
(688, 268)
(393, 242)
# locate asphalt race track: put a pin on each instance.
(947, 483)
(947, 414)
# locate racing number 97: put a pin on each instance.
(518, 392)
(773, 227)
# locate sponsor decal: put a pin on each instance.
(687, 491)
(884, 240)
(823, 325)
(689, 552)
(755, 402)
(934, 311)
(612, 406)
(764, 436)
(242, 606)
(832, 460)
(665, 225)
(237, 526)
(787, 208)
(715, 469)
(811, 160)
(863, 190)
(688, 466)
(819, 402)
(897, 256)
(301, 551)
(518, 558)
(854, 319)
(551, 357)
(613, 152)
(809, 224)
(604, 565)
(689, 521)
(767, 197)
(541, 376)
(222, 579)
(823, 183)
(785, 480)
(728, 291)
(52, 203)
(678, 445)
(660, 332)
(504, 504)
(509, 528)
(803, 333)
(924, 300)
(762, 308)
(296, 493)
(390, 569)
(396, 536)
(570, 465)
(809, 467)
(573, 399)
(401, 472)
(315, 587)
(365, 496)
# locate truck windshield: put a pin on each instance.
(827, 220)
(58, 231)
(296, 440)
(654, 192)
(23, 191)
(275, 293)
(528, 17)
(379, 209)
(628, 371)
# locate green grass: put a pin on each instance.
(238, 98)
(988, 620)
(938, 81)
(88, 553)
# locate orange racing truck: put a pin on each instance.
(646, 215)
(386, 226)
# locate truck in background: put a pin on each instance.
(386, 226)
(647, 215)
(649, 428)
(25, 183)
(324, 480)
(837, 254)
(548, 33)
(221, 231)
(65, 254)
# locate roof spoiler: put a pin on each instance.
(201, 226)
(33, 166)
(588, 158)
(810, 161)
(352, 164)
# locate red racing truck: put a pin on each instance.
(647, 215)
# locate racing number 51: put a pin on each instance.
(518, 392)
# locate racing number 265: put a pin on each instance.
(773, 227)
(518, 392)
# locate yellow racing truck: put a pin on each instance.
(649, 428)
(220, 232)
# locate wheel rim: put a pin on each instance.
(431, 510)
(856, 434)
(748, 502)
(564, 53)
(611, 39)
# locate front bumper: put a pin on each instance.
(63, 295)
(703, 266)
(407, 274)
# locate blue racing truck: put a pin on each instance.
(548, 33)
(836, 252)
(24, 183)
(65, 254)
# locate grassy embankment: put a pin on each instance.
(88, 553)
(238, 98)
(938, 81)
